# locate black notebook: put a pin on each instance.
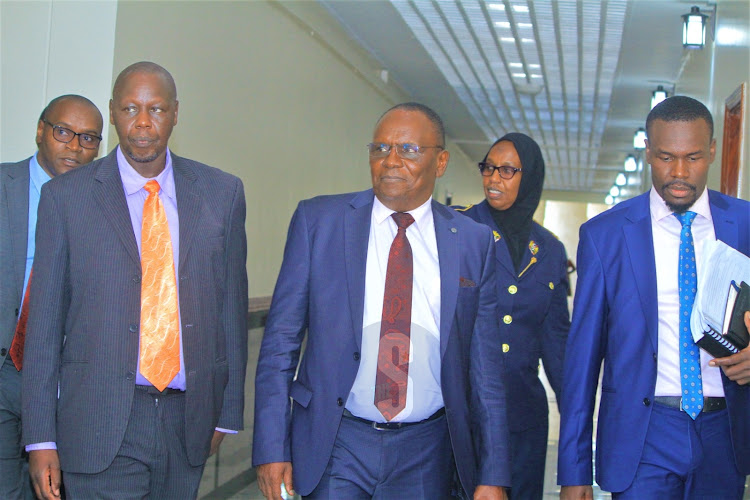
(734, 335)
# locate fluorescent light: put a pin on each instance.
(520, 8)
(524, 25)
(507, 39)
(496, 6)
(527, 40)
(516, 65)
(519, 75)
(535, 66)
(502, 24)
(534, 75)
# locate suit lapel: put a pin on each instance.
(725, 222)
(447, 245)
(639, 240)
(17, 195)
(501, 248)
(356, 239)
(188, 204)
(110, 195)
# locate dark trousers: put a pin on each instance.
(151, 462)
(14, 473)
(414, 462)
(529, 452)
(685, 459)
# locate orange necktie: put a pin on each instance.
(160, 329)
(19, 338)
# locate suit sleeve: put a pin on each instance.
(556, 326)
(49, 300)
(487, 384)
(234, 314)
(583, 358)
(280, 348)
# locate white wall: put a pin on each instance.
(48, 49)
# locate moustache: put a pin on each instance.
(681, 184)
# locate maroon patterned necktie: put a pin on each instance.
(395, 327)
(19, 338)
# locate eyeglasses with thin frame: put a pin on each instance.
(62, 134)
(505, 171)
(406, 150)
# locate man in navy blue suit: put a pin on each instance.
(673, 422)
(384, 406)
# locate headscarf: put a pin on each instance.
(515, 222)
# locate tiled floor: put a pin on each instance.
(229, 475)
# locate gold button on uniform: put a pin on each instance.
(512, 289)
(551, 286)
(506, 348)
(507, 319)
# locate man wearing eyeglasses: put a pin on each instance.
(398, 387)
(68, 135)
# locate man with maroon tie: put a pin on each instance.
(400, 381)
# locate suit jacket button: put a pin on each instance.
(654, 356)
(3, 351)
(356, 356)
(340, 402)
(507, 319)
(130, 376)
(133, 328)
(16, 312)
(646, 402)
(512, 289)
(136, 279)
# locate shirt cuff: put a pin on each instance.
(41, 446)
(226, 431)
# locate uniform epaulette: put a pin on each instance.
(459, 208)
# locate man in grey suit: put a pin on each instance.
(67, 136)
(115, 431)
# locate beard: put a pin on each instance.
(143, 159)
(683, 205)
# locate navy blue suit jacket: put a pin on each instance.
(536, 302)
(321, 289)
(615, 318)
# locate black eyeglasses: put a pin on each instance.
(406, 150)
(62, 134)
(505, 171)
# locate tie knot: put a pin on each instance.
(686, 218)
(152, 187)
(403, 219)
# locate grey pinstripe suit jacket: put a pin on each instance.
(14, 227)
(85, 307)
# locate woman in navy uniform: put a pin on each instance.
(532, 288)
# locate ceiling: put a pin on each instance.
(575, 75)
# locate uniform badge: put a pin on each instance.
(533, 247)
(496, 235)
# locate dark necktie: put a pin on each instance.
(690, 359)
(19, 338)
(395, 327)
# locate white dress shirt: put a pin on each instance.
(666, 231)
(423, 396)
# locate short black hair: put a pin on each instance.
(425, 110)
(72, 97)
(680, 108)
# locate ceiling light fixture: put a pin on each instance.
(519, 75)
(502, 24)
(496, 6)
(615, 191)
(658, 96)
(631, 164)
(507, 39)
(609, 200)
(516, 65)
(639, 139)
(694, 29)
(621, 179)
(523, 8)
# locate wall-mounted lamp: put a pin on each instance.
(631, 164)
(609, 200)
(694, 29)
(658, 96)
(614, 191)
(621, 179)
(639, 139)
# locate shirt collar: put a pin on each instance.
(660, 210)
(132, 181)
(422, 214)
(37, 175)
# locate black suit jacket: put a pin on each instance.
(85, 312)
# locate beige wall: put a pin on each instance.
(261, 97)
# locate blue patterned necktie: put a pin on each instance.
(690, 359)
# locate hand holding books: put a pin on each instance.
(737, 366)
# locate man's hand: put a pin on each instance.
(270, 477)
(44, 469)
(216, 441)
(577, 493)
(737, 366)
(484, 492)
